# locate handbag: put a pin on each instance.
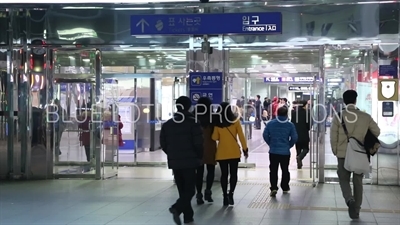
(356, 159)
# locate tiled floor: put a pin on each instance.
(146, 201)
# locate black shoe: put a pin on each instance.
(175, 216)
(199, 199)
(207, 196)
(226, 200)
(188, 220)
(299, 163)
(273, 193)
(353, 214)
(230, 199)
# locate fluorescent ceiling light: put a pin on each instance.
(86, 60)
(92, 1)
(253, 71)
(255, 57)
(140, 8)
(154, 49)
(83, 7)
(152, 60)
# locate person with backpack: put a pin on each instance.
(350, 123)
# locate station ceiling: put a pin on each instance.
(240, 61)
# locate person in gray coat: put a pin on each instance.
(357, 124)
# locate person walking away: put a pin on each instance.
(60, 124)
(84, 136)
(226, 132)
(203, 114)
(248, 125)
(181, 138)
(240, 102)
(357, 123)
(274, 107)
(112, 132)
(301, 120)
(266, 103)
(258, 112)
(280, 135)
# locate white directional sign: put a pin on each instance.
(142, 23)
(300, 88)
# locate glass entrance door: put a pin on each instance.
(345, 67)
(317, 121)
(108, 126)
(76, 124)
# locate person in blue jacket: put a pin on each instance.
(280, 134)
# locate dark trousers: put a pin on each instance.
(87, 152)
(229, 167)
(302, 149)
(258, 121)
(274, 162)
(344, 182)
(200, 176)
(58, 134)
(185, 180)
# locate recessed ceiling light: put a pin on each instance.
(152, 60)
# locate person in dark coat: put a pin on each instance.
(181, 138)
(258, 105)
(301, 119)
(203, 115)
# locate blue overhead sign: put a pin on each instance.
(206, 85)
(203, 24)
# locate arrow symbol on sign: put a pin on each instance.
(142, 22)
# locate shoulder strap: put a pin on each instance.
(344, 126)
(231, 134)
(234, 137)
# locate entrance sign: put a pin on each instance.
(388, 71)
(211, 24)
(288, 79)
(206, 85)
(388, 90)
(387, 109)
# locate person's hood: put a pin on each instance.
(275, 99)
(179, 116)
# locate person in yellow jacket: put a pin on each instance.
(226, 131)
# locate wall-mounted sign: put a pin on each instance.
(388, 71)
(288, 79)
(299, 88)
(387, 109)
(201, 24)
(388, 90)
(206, 85)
